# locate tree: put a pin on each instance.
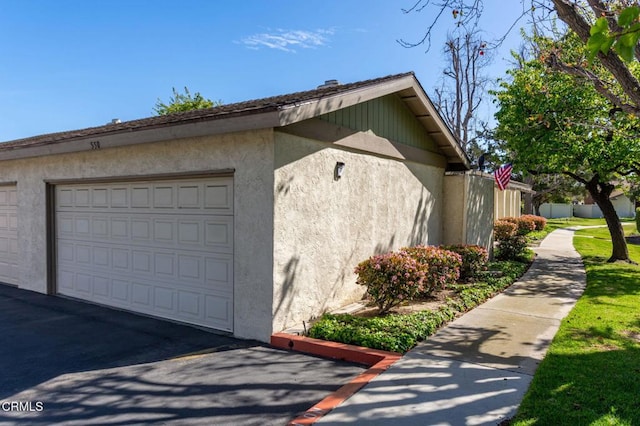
(554, 122)
(463, 88)
(184, 102)
(611, 23)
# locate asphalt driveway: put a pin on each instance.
(71, 363)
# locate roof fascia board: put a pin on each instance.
(135, 136)
(435, 116)
(295, 113)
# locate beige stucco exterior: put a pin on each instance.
(468, 214)
(298, 232)
(324, 227)
(249, 153)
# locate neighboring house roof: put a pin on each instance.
(271, 112)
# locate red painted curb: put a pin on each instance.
(377, 361)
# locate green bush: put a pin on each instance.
(401, 332)
(474, 259)
(512, 244)
(443, 266)
(391, 278)
(638, 219)
(503, 229)
(525, 224)
(539, 221)
(512, 248)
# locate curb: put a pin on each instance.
(378, 361)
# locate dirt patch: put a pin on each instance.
(433, 302)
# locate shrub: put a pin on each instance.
(638, 219)
(539, 221)
(443, 266)
(524, 224)
(512, 248)
(474, 259)
(503, 229)
(391, 278)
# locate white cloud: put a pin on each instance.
(288, 40)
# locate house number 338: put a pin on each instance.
(95, 144)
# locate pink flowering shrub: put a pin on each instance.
(391, 278)
(443, 266)
(474, 259)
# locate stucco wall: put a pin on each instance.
(468, 210)
(250, 153)
(323, 228)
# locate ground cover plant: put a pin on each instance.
(450, 280)
(591, 372)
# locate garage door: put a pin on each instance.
(163, 248)
(8, 235)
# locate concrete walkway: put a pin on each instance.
(476, 370)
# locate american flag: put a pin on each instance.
(503, 176)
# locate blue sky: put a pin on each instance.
(70, 64)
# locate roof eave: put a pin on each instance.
(142, 135)
(411, 93)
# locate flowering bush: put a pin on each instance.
(391, 278)
(443, 266)
(503, 229)
(540, 221)
(524, 224)
(474, 259)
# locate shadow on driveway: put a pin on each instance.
(93, 365)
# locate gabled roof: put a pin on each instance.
(275, 111)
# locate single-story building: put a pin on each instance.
(246, 218)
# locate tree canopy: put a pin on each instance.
(554, 122)
(180, 102)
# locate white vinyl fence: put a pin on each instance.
(556, 210)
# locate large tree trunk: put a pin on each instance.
(600, 192)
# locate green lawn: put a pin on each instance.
(591, 374)
(553, 224)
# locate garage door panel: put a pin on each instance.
(154, 248)
(199, 232)
(8, 234)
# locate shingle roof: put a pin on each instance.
(276, 110)
(272, 103)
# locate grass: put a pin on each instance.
(553, 224)
(591, 373)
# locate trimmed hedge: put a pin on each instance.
(539, 221)
(503, 229)
(401, 332)
(391, 278)
(474, 260)
(443, 266)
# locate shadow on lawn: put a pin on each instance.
(585, 389)
(590, 375)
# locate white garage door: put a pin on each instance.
(8, 235)
(163, 248)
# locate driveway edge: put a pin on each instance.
(378, 361)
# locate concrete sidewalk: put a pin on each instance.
(476, 370)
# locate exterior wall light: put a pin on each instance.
(337, 172)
